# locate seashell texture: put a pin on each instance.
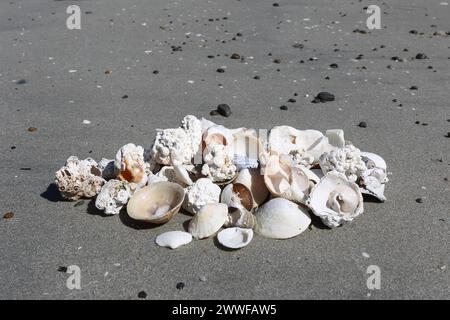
(236, 195)
(173, 239)
(108, 169)
(281, 219)
(336, 199)
(303, 146)
(346, 160)
(285, 180)
(254, 181)
(202, 192)
(113, 196)
(374, 179)
(235, 238)
(247, 149)
(238, 216)
(156, 203)
(79, 178)
(208, 220)
(218, 164)
(131, 165)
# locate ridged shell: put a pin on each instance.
(208, 220)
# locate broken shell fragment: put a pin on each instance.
(113, 196)
(156, 203)
(173, 239)
(79, 178)
(131, 165)
(346, 160)
(202, 192)
(336, 199)
(238, 216)
(235, 238)
(208, 220)
(286, 180)
(237, 194)
(281, 219)
(254, 181)
(374, 179)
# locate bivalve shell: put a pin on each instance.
(235, 238)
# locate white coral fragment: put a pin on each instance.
(219, 164)
(113, 196)
(131, 165)
(79, 179)
(346, 160)
(202, 192)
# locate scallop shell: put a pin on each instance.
(374, 179)
(208, 220)
(336, 200)
(285, 180)
(173, 239)
(235, 238)
(281, 219)
(156, 203)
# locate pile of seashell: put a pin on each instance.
(232, 178)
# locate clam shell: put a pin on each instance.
(238, 194)
(336, 199)
(156, 203)
(281, 219)
(235, 238)
(254, 181)
(173, 239)
(208, 220)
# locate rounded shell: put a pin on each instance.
(208, 220)
(156, 203)
(173, 239)
(235, 238)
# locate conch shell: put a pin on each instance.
(156, 203)
(336, 199)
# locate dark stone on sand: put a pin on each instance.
(224, 110)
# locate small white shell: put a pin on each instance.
(130, 164)
(208, 220)
(113, 196)
(79, 178)
(281, 219)
(336, 200)
(374, 179)
(173, 239)
(156, 203)
(235, 238)
(202, 192)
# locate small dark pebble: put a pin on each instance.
(276, 4)
(235, 56)
(32, 129)
(13, 147)
(220, 70)
(284, 108)
(362, 124)
(224, 109)
(256, 77)
(155, 71)
(214, 113)
(334, 66)
(413, 88)
(25, 169)
(413, 32)
(298, 46)
(21, 81)
(276, 60)
(211, 57)
(8, 215)
(62, 269)
(142, 295)
(79, 203)
(323, 97)
(360, 31)
(180, 285)
(447, 135)
(292, 100)
(419, 200)
(421, 56)
(125, 96)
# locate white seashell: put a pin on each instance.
(156, 203)
(113, 196)
(79, 178)
(285, 180)
(346, 160)
(253, 179)
(108, 169)
(130, 164)
(235, 238)
(238, 216)
(173, 239)
(218, 164)
(182, 175)
(208, 220)
(202, 192)
(336, 199)
(218, 134)
(281, 219)
(303, 146)
(374, 179)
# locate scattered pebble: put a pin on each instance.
(180, 285)
(419, 200)
(323, 97)
(414, 88)
(224, 110)
(21, 81)
(362, 124)
(8, 215)
(284, 108)
(220, 70)
(62, 269)
(142, 295)
(421, 56)
(235, 56)
(334, 66)
(32, 129)
(125, 96)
